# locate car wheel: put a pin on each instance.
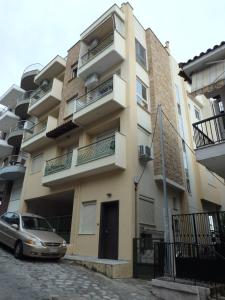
(18, 250)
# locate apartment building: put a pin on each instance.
(206, 75)
(93, 166)
(13, 123)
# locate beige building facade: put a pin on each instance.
(94, 166)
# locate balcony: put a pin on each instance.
(8, 99)
(7, 119)
(22, 105)
(209, 135)
(5, 148)
(102, 156)
(15, 134)
(45, 98)
(107, 53)
(27, 79)
(36, 137)
(13, 167)
(105, 99)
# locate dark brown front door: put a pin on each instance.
(109, 228)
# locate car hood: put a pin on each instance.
(45, 236)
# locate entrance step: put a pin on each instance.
(109, 267)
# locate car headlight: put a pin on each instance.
(34, 242)
(64, 243)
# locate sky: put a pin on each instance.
(35, 31)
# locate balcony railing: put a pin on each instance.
(92, 96)
(39, 93)
(94, 151)
(14, 160)
(22, 125)
(91, 53)
(35, 130)
(25, 96)
(58, 164)
(209, 131)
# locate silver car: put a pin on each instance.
(30, 235)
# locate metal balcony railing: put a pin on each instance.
(58, 164)
(103, 44)
(209, 131)
(25, 96)
(14, 160)
(94, 151)
(95, 94)
(34, 130)
(39, 93)
(22, 125)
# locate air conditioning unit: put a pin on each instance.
(144, 153)
(91, 81)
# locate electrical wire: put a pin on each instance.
(153, 135)
(192, 151)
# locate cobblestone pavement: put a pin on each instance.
(40, 280)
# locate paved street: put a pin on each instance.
(39, 280)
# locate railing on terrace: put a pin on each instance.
(25, 96)
(4, 110)
(95, 94)
(22, 125)
(14, 160)
(209, 131)
(35, 130)
(103, 44)
(94, 151)
(58, 164)
(39, 93)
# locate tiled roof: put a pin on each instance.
(181, 65)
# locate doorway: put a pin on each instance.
(109, 230)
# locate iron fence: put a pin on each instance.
(95, 94)
(35, 130)
(99, 149)
(102, 45)
(143, 257)
(199, 228)
(58, 164)
(14, 160)
(194, 262)
(209, 131)
(62, 225)
(22, 125)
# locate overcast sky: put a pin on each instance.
(36, 31)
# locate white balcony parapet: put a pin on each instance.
(104, 99)
(5, 148)
(36, 137)
(45, 98)
(15, 134)
(107, 53)
(13, 167)
(104, 155)
(8, 119)
(9, 98)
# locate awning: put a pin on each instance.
(61, 129)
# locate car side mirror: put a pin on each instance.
(15, 226)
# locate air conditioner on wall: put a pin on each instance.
(144, 153)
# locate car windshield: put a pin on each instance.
(35, 223)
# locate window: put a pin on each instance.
(188, 185)
(141, 93)
(183, 145)
(36, 163)
(11, 218)
(74, 70)
(147, 210)
(88, 218)
(175, 203)
(140, 54)
(197, 113)
(221, 107)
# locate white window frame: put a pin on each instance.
(197, 111)
(142, 61)
(140, 100)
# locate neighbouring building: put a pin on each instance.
(90, 167)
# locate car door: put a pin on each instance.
(5, 229)
(13, 232)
